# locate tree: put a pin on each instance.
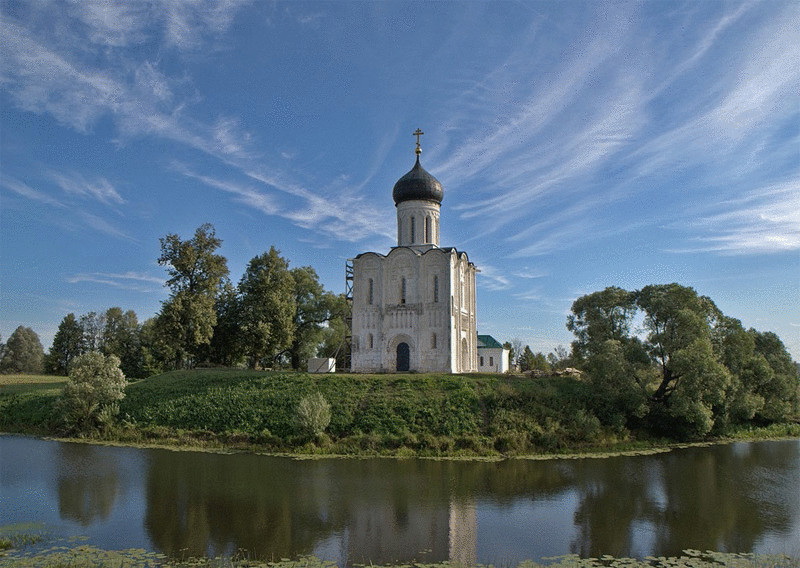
(599, 317)
(559, 358)
(92, 326)
(67, 344)
(226, 346)
(527, 360)
(314, 308)
(156, 354)
(95, 385)
(313, 415)
(267, 308)
(516, 351)
(780, 387)
(334, 343)
(23, 352)
(121, 338)
(697, 368)
(187, 317)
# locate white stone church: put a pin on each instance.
(414, 308)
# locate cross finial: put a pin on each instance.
(418, 133)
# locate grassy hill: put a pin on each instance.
(429, 414)
(408, 414)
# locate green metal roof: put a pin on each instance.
(488, 341)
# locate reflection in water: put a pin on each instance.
(739, 497)
(356, 511)
(87, 486)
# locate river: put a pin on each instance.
(741, 497)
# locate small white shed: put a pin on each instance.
(322, 365)
(492, 356)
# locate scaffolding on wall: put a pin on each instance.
(348, 294)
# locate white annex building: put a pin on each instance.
(414, 308)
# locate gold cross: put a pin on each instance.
(418, 133)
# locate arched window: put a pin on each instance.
(427, 229)
(370, 341)
(403, 290)
(412, 230)
(371, 291)
(435, 288)
(433, 341)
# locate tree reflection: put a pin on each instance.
(719, 498)
(87, 485)
(400, 511)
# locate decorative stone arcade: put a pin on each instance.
(414, 308)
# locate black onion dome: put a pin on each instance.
(417, 184)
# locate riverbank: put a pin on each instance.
(425, 415)
(13, 555)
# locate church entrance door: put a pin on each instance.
(403, 357)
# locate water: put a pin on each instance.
(742, 497)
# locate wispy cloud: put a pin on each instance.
(764, 220)
(28, 192)
(246, 195)
(129, 280)
(492, 278)
(78, 218)
(100, 189)
(184, 23)
(529, 273)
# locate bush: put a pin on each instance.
(91, 394)
(313, 415)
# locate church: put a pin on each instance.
(414, 308)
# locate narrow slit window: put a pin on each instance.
(435, 288)
(412, 230)
(402, 290)
(371, 291)
(427, 229)
(433, 341)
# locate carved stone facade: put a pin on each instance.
(414, 309)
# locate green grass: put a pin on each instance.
(422, 414)
(398, 415)
(17, 384)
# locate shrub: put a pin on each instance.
(313, 414)
(91, 394)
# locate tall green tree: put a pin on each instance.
(315, 307)
(23, 352)
(226, 346)
(121, 338)
(599, 317)
(157, 356)
(335, 342)
(187, 318)
(92, 327)
(267, 308)
(780, 386)
(67, 344)
(697, 369)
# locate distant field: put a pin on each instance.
(17, 384)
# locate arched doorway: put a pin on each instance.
(403, 357)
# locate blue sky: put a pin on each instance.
(580, 145)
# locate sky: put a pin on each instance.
(580, 145)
